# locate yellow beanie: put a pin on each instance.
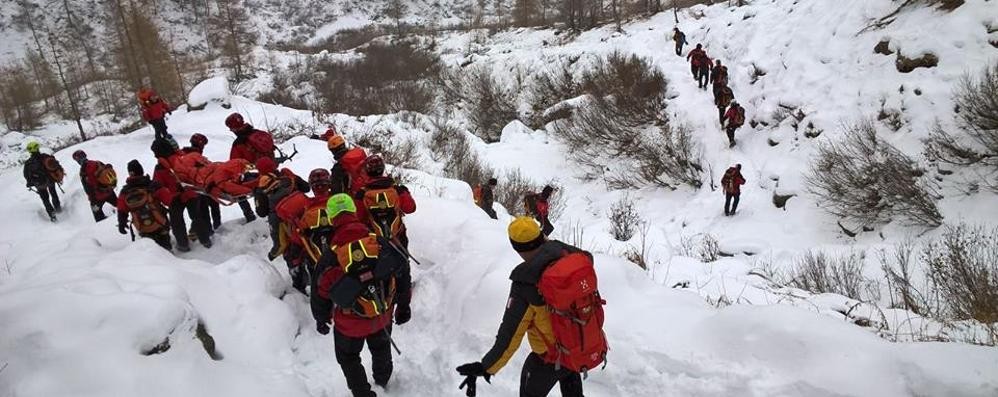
(525, 234)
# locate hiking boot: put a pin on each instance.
(206, 244)
(52, 217)
(365, 393)
(183, 248)
(250, 217)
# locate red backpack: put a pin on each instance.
(570, 292)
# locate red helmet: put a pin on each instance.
(319, 177)
(79, 156)
(235, 122)
(374, 165)
(199, 140)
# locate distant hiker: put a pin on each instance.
(154, 110)
(384, 203)
(722, 98)
(272, 187)
(181, 199)
(484, 196)
(330, 132)
(348, 172)
(251, 144)
(99, 181)
(360, 283)
(42, 172)
(680, 38)
(538, 206)
(733, 119)
(213, 209)
(554, 300)
(719, 74)
(732, 184)
(144, 200)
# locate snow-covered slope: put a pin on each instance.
(81, 304)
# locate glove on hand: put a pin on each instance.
(121, 229)
(322, 328)
(472, 371)
(402, 314)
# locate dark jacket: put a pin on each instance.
(732, 181)
(34, 170)
(488, 196)
(525, 309)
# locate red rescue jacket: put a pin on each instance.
(155, 110)
(353, 163)
(88, 176)
(243, 147)
(348, 228)
(732, 181)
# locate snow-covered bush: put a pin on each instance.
(488, 103)
(818, 272)
(450, 144)
(962, 268)
(864, 179)
(624, 219)
(702, 246)
(977, 116)
(389, 78)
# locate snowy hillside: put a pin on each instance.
(86, 312)
(79, 317)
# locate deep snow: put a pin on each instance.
(80, 302)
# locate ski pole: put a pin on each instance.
(132, 231)
(60, 188)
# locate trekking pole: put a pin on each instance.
(403, 251)
(391, 340)
(60, 188)
(132, 231)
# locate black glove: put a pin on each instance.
(402, 314)
(262, 212)
(28, 185)
(400, 189)
(121, 229)
(472, 371)
(322, 328)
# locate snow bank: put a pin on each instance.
(213, 90)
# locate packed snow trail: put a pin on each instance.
(81, 303)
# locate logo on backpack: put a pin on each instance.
(569, 289)
(359, 260)
(383, 207)
(147, 215)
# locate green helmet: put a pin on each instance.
(33, 147)
(339, 204)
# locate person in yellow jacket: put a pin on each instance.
(526, 314)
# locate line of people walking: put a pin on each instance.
(713, 74)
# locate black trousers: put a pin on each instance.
(348, 356)
(731, 203)
(546, 227)
(696, 71)
(730, 130)
(162, 238)
(50, 197)
(210, 209)
(197, 209)
(538, 378)
(679, 48)
(703, 79)
(177, 222)
(97, 207)
(720, 113)
(488, 210)
(159, 126)
(247, 208)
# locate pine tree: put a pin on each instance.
(234, 38)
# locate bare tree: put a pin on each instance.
(236, 37)
(397, 10)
